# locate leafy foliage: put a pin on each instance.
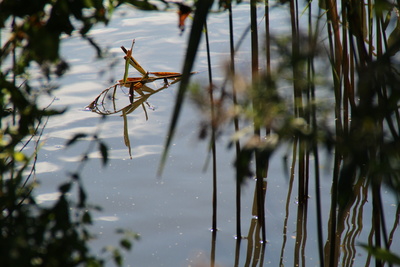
(32, 234)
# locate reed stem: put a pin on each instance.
(213, 125)
(235, 120)
(255, 80)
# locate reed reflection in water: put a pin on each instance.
(307, 127)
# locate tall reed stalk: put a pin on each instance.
(213, 147)
(213, 125)
(235, 120)
(260, 174)
(312, 45)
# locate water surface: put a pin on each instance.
(172, 213)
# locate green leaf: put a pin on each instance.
(322, 4)
(75, 138)
(126, 70)
(82, 197)
(104, 152)
(382, 254)
(126, 134)
(86, 218)
(125, 243)
(137, 66)
(145, 112)
(200, 16)
(130, 60)
(64, 188)
(117, 257)
(394, 39)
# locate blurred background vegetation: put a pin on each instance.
(351, 49)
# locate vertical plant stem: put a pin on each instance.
(237, 252)
(235, 120)
(336, 57)
(287, 205)
(377, 222)
(346, 74)
(1, 123)
(250, 240)
(370, 242)
(370, 28)
(333, 213)
(269, 84)
(314, 127)
(267, 44)
(335, 49)
(213, 245)
(395, 225)
(213, 150)
(382, 216)
(295, 59)
(255, 77)
(382, 96)
(213, 125)
(254, 39)
(14, 76)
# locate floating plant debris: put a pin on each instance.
(138, 93)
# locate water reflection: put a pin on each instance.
(344, 229)
(47, 197)
(107, 102)
(107, 218)
(124, 97)
(296, 236)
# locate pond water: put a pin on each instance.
(173, 213)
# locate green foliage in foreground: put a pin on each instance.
(32, 234)
(365, 137)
